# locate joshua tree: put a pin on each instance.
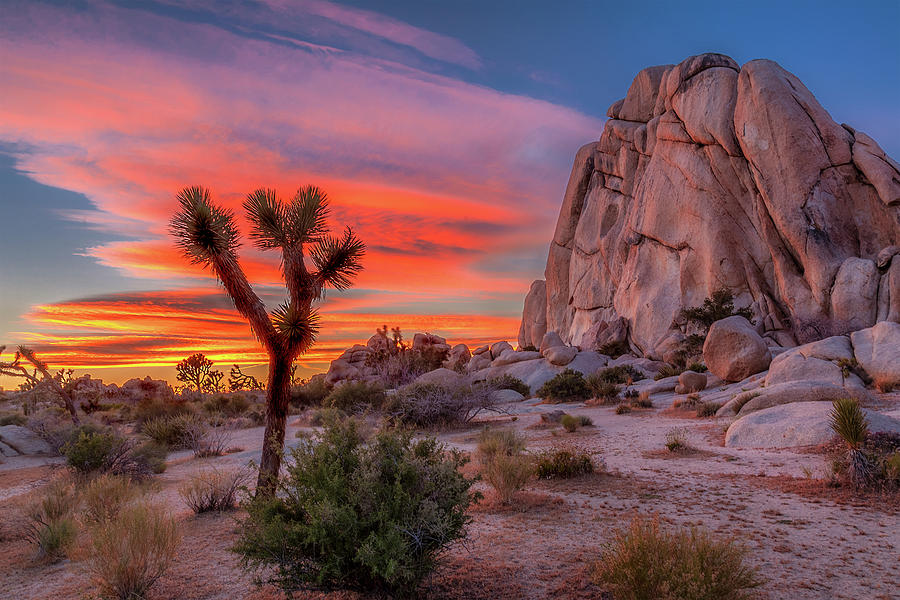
(15, 368)
(196, 370)
(209, 236)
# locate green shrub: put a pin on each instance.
(622, 374)
(310, 393)
(569, 423)
(697, 367)
(669, 371)
(614, 349)
(51, 524)
(645, 562)
(92, 450)
(623, 409)
(353, 397)
(849, 422)
(708, 409)
(508, 382)
(155, 408)
(232, 405)
(563, 464)
(131, 551)
(605, 391)
(13, 419)
(321, 416)
(153, 455)
(715, 308)
(173, 431)
(568, 386)
(371, 515)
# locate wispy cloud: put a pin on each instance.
(439, 176)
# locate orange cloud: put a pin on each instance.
(453, 186)
(158, 329)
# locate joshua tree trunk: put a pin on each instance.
(208, 235)
(278, 396)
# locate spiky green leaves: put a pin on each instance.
(849, 422)
(298, 327)
(307, 215)
(267, 217)
(338, 260)
(204, 232)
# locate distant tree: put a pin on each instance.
(15, 368)
(196, 370)
(208, 235)
(238, 380)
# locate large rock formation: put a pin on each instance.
(710, 175)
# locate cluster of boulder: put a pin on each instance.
(712, 175)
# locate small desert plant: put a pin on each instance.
(584, 420)
(850, 423)
(645, 562)
(623, 374)
(92, 450)
(669, 371)
(131, 551)
(494, 442)
(697, 367)
(508, 474)
(708, 409)
(207, 440)
(642, 401)
(352, 397)
(105, 496)
(605, 391)
(568, 386)
(232, 405)
(435, 405)
(352, 513)
(51, 524)
(508, 382)
(563, 464)
(676, 441)
(213, 490)
(715, 308)
(623, 409)
(13, 419)
(569, 423)
(154, 408)
(321, 416)
(743, 399)
(310, 393)
(614, 349)
(151, 454)
(174, 431)
(528, 348)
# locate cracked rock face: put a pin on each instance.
(711, 175)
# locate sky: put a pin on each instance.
(443, 132)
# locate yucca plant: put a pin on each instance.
(208, 235)
(850, 423)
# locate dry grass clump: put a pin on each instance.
(104, 497)
(708, 409)
(563, 464)
(646, 562)
(131, 551)
(51, 521)
(676, 440)
(504, 465)
(214, 490)
(207, 440)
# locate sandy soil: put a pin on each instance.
(810, 541)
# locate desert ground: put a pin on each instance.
(809, 540)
